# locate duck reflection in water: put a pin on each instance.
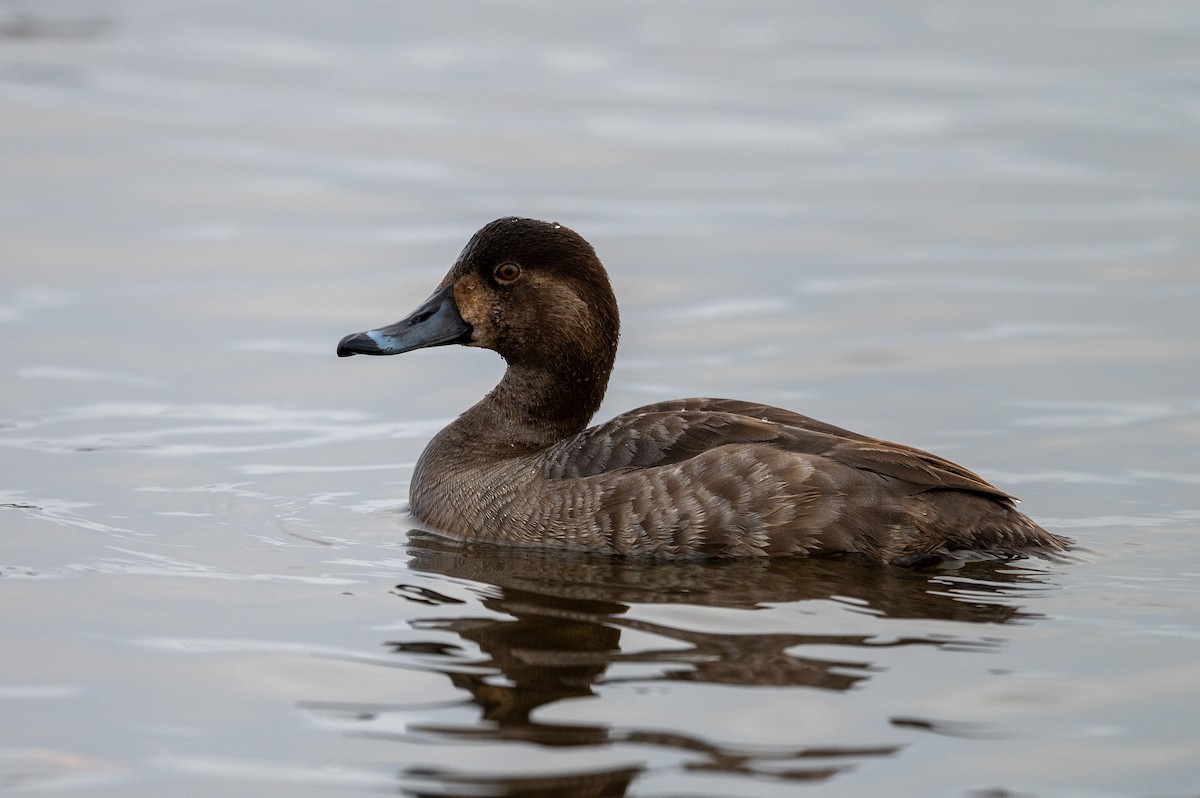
(551, 624)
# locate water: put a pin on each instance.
(967, 227)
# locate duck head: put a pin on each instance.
(536, 293)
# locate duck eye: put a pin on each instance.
(507, 272)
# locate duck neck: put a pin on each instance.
(532, 407)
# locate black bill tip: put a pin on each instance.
(358, 344)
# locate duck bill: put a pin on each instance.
(436, 322)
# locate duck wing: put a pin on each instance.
(674, 431)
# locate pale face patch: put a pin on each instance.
(476, 303)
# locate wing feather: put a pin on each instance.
(678, 430)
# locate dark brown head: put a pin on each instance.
(533, 291)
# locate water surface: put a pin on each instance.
(971, 228)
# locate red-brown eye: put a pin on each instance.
(507, 272)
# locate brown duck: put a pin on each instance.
(715, 477)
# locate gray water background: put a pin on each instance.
(971, 227)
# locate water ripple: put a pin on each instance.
(292, 429)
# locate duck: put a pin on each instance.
(698, 477)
